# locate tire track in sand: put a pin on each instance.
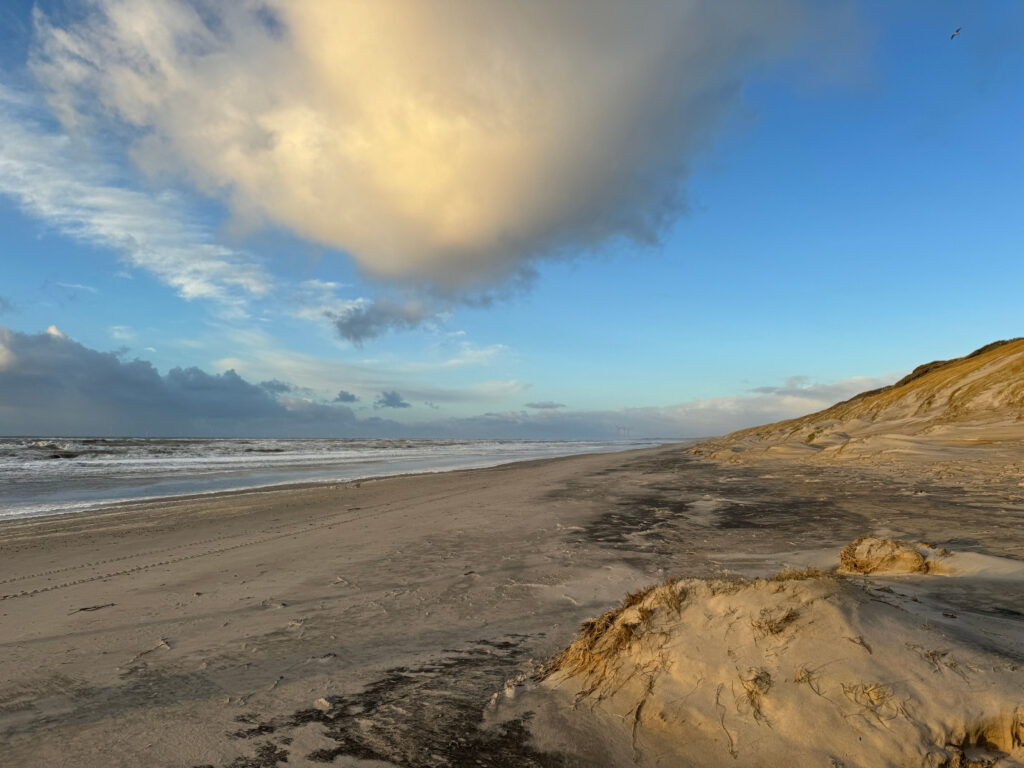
(169, 561)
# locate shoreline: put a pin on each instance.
(205, 630)
(299, 484)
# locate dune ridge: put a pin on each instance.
(975, 402)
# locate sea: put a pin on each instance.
(44, 476)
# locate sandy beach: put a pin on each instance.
(400, 384)
(220, 630)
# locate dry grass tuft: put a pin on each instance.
(809, 677)
(877, 699)
(791, 574)
(592, 629)
(771, 622)
(727, 585)
(583, 654)
(602, 642)
(755, 688)
(623, 636)
(634, 598)
(671, 595)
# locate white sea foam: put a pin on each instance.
(63, 475)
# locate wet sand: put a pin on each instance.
(221, 631)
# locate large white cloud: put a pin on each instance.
(449, 141)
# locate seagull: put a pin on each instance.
(955, 34)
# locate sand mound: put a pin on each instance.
(808, 669)
(870, 554)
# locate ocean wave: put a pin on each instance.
(42, 475)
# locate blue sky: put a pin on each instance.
(773, 210)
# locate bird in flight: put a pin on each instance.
(955, 34)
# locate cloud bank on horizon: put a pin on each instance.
(445, 144)
(52, 385)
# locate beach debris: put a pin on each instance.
(858, 640)
(162, 644)
(92, 608)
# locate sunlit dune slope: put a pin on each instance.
(971, 401)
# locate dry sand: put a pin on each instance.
(371, 623)
(807, 668)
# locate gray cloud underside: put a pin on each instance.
(390, 400)
(545, 405)
(345, 397)
(51, 385)
(364, 319)
(277, 387)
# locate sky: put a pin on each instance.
(558, 220)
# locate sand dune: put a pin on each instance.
(949, 418)
(808, 668)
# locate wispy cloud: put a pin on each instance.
(78, 287)
(696, 418)
(258, 356)
(122, 333)
(800, 389)
(466, 355)
(72, 189)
